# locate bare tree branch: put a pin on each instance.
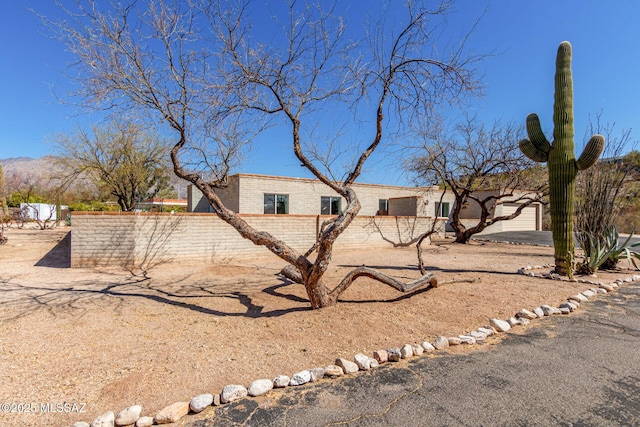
(206, 71)
(478, 165)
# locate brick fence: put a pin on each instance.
(146, 239)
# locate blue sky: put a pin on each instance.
(522, 35)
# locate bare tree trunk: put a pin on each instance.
(320, 296)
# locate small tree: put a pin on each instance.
(480, 166)
(120, 159)
(215, 77)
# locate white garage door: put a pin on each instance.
(525, 221)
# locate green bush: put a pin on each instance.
(604, 251)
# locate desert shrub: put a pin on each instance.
(601, 192)
(604, 251)
(93, 206)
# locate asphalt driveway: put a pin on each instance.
(568, 370)
(529, 237)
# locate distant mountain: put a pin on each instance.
(10, 160)
(26, 166)
(37, 168)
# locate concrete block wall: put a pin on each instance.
(146, 239)
(110, 243)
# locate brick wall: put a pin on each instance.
(146, 239)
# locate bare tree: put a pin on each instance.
(481, 167)
(602, 190)
(215, 77)
(121, 159)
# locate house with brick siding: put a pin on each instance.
(277, 195)
(291, 209)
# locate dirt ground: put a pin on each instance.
(107, 338)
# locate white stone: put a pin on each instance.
(374, 363)
(579, 298)
(348, 367)
(566, 306)
(526, 314)
(454, 341)
(300, 378)
(104, 420)
(500, 325)
(513, 321)
(588, 293)
(478, 335)
(363, 362)
(128, 416)
(333, 371)
(441, 343)
(538, 311)
(201, 402)
(281, 381)
(232, 392)
(316, 374)
(549, 311)
(144, 422)
(467, 339)
(80, 424)
(406, 351)
(601, 291)
(417, 350)
(487, 330)
(428, 347)
(259, 387)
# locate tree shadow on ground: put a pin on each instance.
(76, 298)
(59, 256)
(20, 299)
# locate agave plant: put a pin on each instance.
(605, 251)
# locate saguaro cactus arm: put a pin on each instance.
(537, 147)
(591, 152)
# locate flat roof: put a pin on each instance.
(288, 178)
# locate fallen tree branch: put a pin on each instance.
(428, 278)
(292, 273)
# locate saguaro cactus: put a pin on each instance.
(561, 162)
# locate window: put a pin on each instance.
(330, 205)
(383, 206)
(276, 203)
(442, 210)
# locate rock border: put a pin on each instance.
(361, 362)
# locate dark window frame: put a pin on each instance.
(278, 205)
(330, 205)
(383, 207)
(443, 209)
